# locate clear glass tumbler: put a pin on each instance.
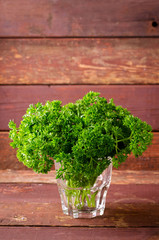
(85, 202)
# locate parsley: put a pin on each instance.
(81, 136)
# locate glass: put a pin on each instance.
(85, 202)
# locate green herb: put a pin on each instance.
(80, 136)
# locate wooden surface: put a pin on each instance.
(142, 101)
(79, 61)
(118, 177)
(78, 233)
(128, 205)
(148, 161)
(33, 210)
(85, 18)
(81, 45)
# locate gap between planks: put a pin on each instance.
(118, 177)
(78, 227)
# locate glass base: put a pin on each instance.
(88, 202)
(84, 213)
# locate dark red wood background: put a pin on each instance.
(58, 49)
(60, 18)
(63, 49)
(79, 61)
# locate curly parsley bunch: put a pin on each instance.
(81, 136)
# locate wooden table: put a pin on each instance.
(31, 208)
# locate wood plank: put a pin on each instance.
(142, 101)
(78, 233)
(85, 18)
(79, 61)
(118, 177)
(148, 161)
(39, 205)
(8, 159)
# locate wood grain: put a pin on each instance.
(8, 159)
(118, 177)
(79, 61)
(85, 18)
(148, 161)
(39, 205)
(78, 233)
(142, 101)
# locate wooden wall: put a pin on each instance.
(58, 49)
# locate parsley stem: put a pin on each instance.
(124, 139)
